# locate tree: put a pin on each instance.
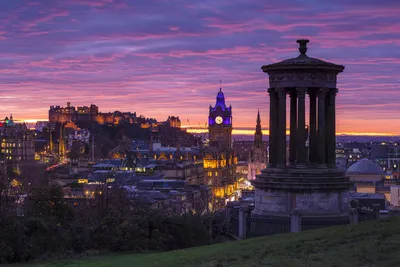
(49, 202)
(215, 221)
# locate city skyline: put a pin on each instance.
(137, 57)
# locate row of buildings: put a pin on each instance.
(148, 161)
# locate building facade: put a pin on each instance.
(219, 159)
(173, 122)
(59, 114)
(258, 154)
(17, 141)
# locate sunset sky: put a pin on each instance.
(166, 57)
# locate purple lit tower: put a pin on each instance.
(220, 124)
(219, 159)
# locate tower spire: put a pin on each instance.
(258, 133)
(220, 85)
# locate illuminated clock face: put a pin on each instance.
(218, 120)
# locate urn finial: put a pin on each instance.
(303, 45)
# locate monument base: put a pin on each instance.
(301, 198)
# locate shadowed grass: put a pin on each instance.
(375, 243)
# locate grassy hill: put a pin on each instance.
(366, 244)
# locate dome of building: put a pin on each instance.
(365, 166)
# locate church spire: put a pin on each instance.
(258, 133)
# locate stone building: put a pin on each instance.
(242, 149)
(17, 141)
(365, 170)
(305, 190)
(366, 175)
(219, 159)
(258, 153)
(173, 122)
(59, 114)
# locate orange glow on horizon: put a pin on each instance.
(266, 132)
(198, 130)
(32, 120)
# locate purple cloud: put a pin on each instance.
(163, 58)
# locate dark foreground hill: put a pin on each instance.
(366, 244)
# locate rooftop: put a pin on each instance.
(302, 61)
(365, 166)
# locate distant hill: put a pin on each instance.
(374, 243)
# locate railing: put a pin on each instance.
(310, 223)
(244, 224)
(263, 225)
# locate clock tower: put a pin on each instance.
(220, 124)
(219, 160)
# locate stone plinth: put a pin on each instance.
(312, 203)
(320, 196)
(309, 190)
(307, 184)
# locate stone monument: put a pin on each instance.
(307, 184)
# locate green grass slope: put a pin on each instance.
(366, 244)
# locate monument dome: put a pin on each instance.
(365, 166)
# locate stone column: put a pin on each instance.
(301, 132)
(293, 127)
(322, 127)
(243, 214)
(313, 127)
(331, 128)
(273, 124)
(281, 133)
(295, 221)
(353, 216)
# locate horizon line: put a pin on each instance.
(248, 131)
